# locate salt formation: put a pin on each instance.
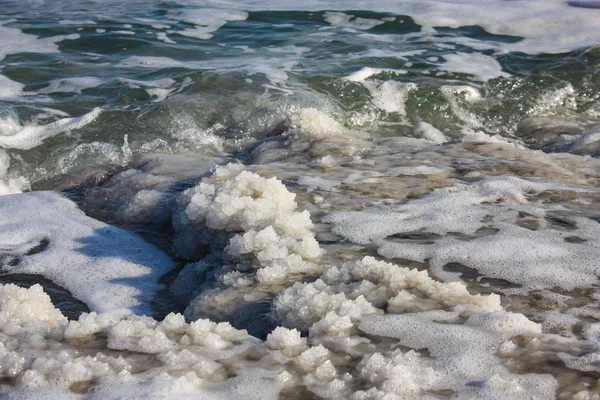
(104, 357)
(350, 299)
(340, 328)
(254, 222)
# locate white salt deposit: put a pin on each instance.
(71, 355)
(259, 213)
(251, 224)
(109, 269)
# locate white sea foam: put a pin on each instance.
(367, 72)
(158, 62)
(461, 352)
(390, 95)
(10, 89)
(74, 22)
(28, 137)
(12, 185)
(109, 269)
(14, 41)
(429, 132)
(163, 36)
(546, 26)
(479, 65)
(207, 20)
(74, 85)
(350, 21)
(533, 259)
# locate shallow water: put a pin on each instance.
(390, 200)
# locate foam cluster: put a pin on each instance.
(492, 215)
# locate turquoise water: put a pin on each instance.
(242, 78)
(461, 138)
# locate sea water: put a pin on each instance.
(270, 199)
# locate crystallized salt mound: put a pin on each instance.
(22, 308)
(251, 229)
(109, 269)
(260, 216)
(348, 301)
(522, 244)
(41, 354)
(353, 291)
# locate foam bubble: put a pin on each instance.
(350, 21)
(367, 72)
(14, 41)
(429, 132)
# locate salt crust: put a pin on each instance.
(348, 300)
(109, 269)
(142, 356)
(113, 357)
(45, 355)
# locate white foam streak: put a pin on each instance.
(32, 136)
